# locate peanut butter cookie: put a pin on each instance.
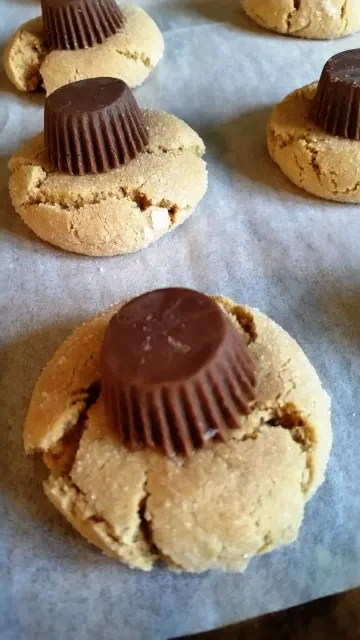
(314, 133)
(131, 53)
(234, 497)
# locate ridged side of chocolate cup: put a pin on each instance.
(79, 24)
(187, 404)
(336, 105)
(93, 126)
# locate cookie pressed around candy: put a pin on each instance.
(324, 165)
(130, 54)
(314, 133)
(117, 178)
(230, 499)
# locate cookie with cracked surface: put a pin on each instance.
(214, 510)
(326, 166)
(131, 55)
(314, 19)
(118, 212)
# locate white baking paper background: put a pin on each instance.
(255, 238)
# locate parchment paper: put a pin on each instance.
(255, 238)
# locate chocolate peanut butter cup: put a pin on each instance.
(336, 105)
(175, 372)
(93, 126)
(79, 24)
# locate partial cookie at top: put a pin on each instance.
(130, 55)
(326, 166)
(314, 19)
(214, 510)
(118, 212)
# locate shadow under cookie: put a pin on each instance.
(342, 306)
(241, 145)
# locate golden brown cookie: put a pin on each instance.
(325, 165)
(214, 510)
(117, 212)
(314, 19)
(130, 55)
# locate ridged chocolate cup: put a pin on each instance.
(79, 24)
(93, 126)
(175, 372)
(336, 105)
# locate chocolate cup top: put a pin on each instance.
(79, 24)
(176, 373)
(93, 126)
(336, 105)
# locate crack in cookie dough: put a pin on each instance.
(74, 505)
(135, 196)
(313, 153)
(137, 550)
(216, 510)
(117, 212)
(136, 56)
(288, 417)
(61, 456)
(296, 7)
(196, 534)
(130, 55)
(324, 165)
(140, 549)
(69, 202)
(343, 14)
(318, 19)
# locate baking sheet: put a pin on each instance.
(255, 238)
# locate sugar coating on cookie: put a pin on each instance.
(118, 212)
(324, 165)
(214, 510)
(130, 55)
(314, 19)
